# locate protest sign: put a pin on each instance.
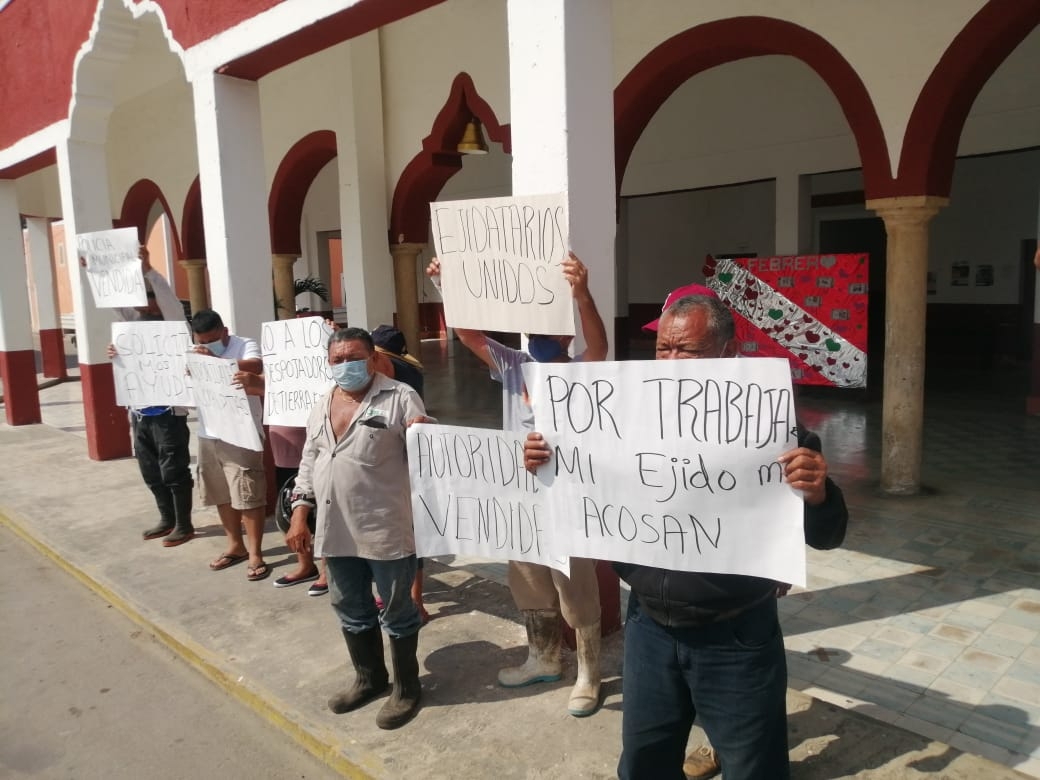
(224, 409)
(150, 366)
(501, 263)
(296, 368)
(672, 463)
(113, 267)
(472, 496)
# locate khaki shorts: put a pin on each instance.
(231, 475)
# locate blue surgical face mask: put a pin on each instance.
(544, 349)
(216, 348)
(351, 374)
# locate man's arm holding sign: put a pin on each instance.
(592, 327)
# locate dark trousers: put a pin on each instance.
(731, 674)
(161, 446)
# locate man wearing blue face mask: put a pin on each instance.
(230, 477)
(354, 472)
(542, 593)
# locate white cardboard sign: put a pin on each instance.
(113, 267)
(224, 408)
(672, 463)
(150, 366)
(472, 496)
(501, 263)
(296, 368)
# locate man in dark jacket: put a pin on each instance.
(709, 645)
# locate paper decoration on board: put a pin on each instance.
(810, 309)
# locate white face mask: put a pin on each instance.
(216, 348)
(351, 374)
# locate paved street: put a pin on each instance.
(90, 694)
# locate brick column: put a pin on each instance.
(902, 423)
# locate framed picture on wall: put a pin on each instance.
(932, 283)
(984, 276)
(960, 275)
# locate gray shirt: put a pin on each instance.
(360, 483)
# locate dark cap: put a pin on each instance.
(390, 340)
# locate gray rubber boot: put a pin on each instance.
(183, 530)
(543, 651)
(167, 521)
(404, 699)
(370, 675)
(585, 697)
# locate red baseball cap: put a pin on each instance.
(676, 294)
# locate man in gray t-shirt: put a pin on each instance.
(540, 592)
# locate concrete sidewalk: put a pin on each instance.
(279, 651)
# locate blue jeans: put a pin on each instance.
(350, 589)
(731, 674)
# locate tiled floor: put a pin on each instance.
(929, 615)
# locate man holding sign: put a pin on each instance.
(542, 593)
(232, 477)
(705, 644)
(161, 433)
(354, 472)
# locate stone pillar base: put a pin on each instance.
(108, 427)
(21, 397)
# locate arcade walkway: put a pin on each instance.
(927, 620)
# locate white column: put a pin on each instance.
(15, 324)
(85, 206)
(38, 242)
(367, 266)
(234, 201)
(561, 81)
(793, 233)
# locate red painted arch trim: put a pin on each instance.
(642, 92)
(293, 178)
(934, 130)
(137, 205)
(193, 232)
(32, 164)
(425, 175)
(362, 17)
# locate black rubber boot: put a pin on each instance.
(404, 700)
(371, 678)
(163, 500)
(183, 530)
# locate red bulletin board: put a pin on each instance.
(810, 309)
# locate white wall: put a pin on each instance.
(152, 137)
(423, 54)
(993, 207)
(747, 120)
(669, 235)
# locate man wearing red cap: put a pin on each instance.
(703, 644)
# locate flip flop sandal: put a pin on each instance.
(226, 560)
(257, 573)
